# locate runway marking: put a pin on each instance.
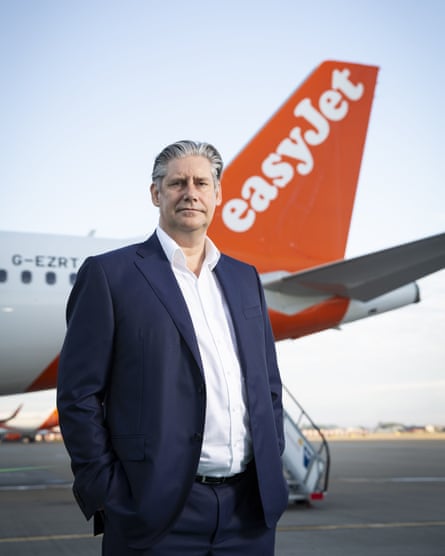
(280, 529)
(47, 538)
(55, 484)
(394, 525)
(393, 480)
(18, 469)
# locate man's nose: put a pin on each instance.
(190, 191)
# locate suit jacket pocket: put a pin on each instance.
(129, 447)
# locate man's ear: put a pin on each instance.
(218, 197)
(154, 194)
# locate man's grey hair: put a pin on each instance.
(182, 149)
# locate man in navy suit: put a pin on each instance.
(169, 393)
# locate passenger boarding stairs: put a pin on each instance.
(306, 458)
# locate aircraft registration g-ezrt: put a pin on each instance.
(287, 206)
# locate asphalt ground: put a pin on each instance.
(385, 498)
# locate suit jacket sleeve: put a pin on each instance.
(82, 377)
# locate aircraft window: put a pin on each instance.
(50, 278)
(26, 276)
(3, 275)
(72, 278)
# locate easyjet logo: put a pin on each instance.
(257, 192)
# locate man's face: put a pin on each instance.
(187, 197)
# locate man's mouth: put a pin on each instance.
(189, 209)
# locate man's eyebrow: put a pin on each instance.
(183, 178)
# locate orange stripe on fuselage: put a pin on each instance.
(314, 319)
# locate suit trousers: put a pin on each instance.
(222, 520)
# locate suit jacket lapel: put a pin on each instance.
(154, 265)
(234, 299)
(228, 284)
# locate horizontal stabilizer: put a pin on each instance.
(368, 276)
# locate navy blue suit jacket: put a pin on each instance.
(132, 395)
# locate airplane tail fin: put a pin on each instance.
(51, 422)
(288, 196)
(12, 416)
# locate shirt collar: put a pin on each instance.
(175, 254)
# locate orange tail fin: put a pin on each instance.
(52, 421)
(288, 196)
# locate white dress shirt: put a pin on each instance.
(226, 447)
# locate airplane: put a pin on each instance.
(287, 205)
(31, 417)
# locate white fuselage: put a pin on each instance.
(36, 275)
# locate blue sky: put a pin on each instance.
(92, 90)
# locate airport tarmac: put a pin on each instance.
(385, 498)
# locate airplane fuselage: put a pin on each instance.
(37, 272)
